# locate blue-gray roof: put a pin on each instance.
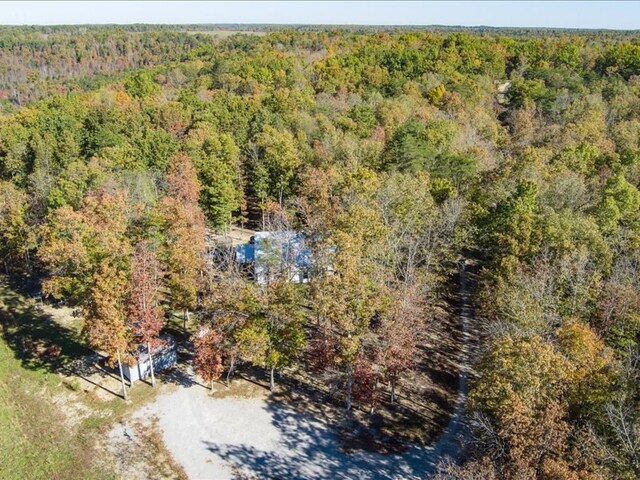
(290, 244)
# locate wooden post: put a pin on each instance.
(233, 359)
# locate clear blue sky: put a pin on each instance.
(577, 14)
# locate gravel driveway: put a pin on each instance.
(256, 438)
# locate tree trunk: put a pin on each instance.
(124, 387)
(233, 361)
(212, 380)
(349, 386)
(393, 392)
(272, 383)
(153, 377)
(185, 319)
(373, 398)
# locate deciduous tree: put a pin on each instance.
(144, 312)
(184, 230)
(207, 359)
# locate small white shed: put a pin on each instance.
(164, 356)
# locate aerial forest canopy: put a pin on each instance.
(401, 155)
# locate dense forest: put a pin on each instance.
(401, 155)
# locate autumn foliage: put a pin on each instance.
(184, 233)
(145, 283)
(207, 359)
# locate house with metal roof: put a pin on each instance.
(271, 255)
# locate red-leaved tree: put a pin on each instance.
(399, 335)
(207, 359)
(144, 312)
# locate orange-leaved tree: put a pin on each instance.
(87, 254)
(208, 354)
(184, 226)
